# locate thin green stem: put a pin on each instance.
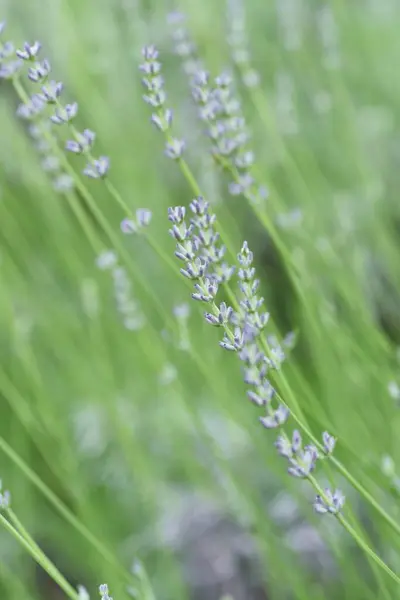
(26, 541)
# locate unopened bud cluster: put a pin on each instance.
(199, 248)
(184, 46)
(155, 96)
(104, 592)
(127, 306)
(238, 41)
(141, 221)
(48, 96)
(221, 110)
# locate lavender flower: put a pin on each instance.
(39, 72)
(128, 308)
(153, 82)
(65, 114)
(289, 448)
(51, 91)
(206, 241)
(29, 52)
(222, 316)
(155, 96)
(104, 593)
(183, 44)
(248, 285)
(174, 148)
(238, 42)
(82, 143)
(163, 120)
(143, 218)
(31, 109)
(329, 442)
(131, 314)
(6, 50)
(221, 110)
(332, 502)
(9, 69)
(276, 418)
(304, 462)
(263, 394)
(97, 168)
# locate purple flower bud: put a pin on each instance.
(39, 71)
(276, 419)
(65, 114)
(284, 446)
(163, 122)
(223, 81)
(174, 149)
(9, 69)
(212, 319)
(51, 91)
(328, 442)
(97, 169)
(6, 50)
(143, 217)
(128, 226)
(29, 52)
(332, 502)
(150, 53)
(176, 214)
(83, 141)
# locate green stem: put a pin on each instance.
(25, 540)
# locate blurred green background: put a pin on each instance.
(145, 435)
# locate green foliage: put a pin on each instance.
(116, 443)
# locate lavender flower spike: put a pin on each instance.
(98, 168)
(29, 52)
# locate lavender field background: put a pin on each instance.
(128, 441)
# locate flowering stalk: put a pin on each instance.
(243, 330)
(163, 122)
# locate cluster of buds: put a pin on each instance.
(127, 306)
(156, 97)
(221, 110)
(49, 95)
(9, 65)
